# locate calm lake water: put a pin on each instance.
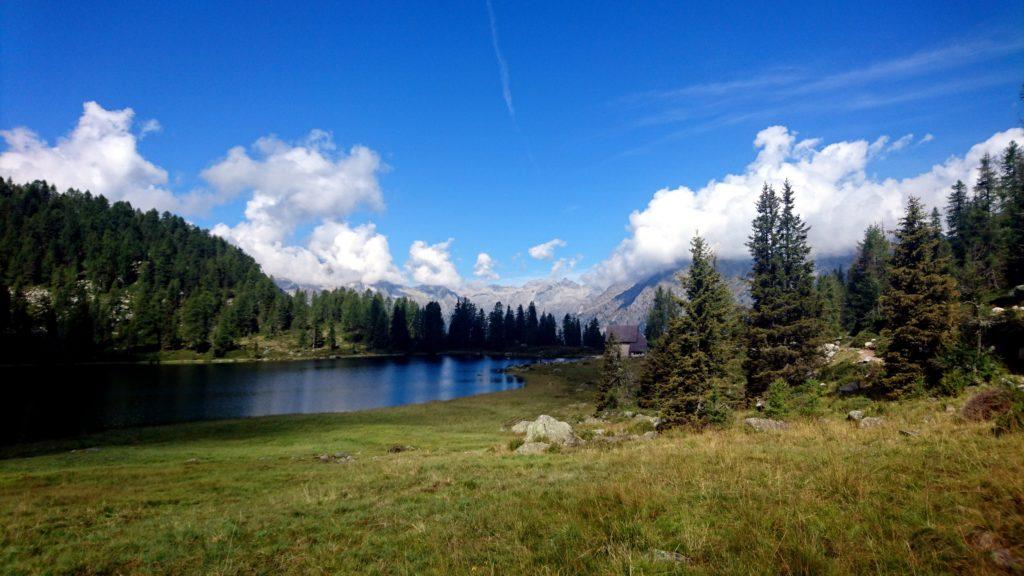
(54, 401)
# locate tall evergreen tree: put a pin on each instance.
(511, 334)
(592, 337)
(865, 282)
(957, 207)
(1011, 183)
(785, 331)
(433, 328)
(496, 327)
(663, 310)
(400, 338)
(919, 306)
(612, 377)
(691, 361)
(531, 326)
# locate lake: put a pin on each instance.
(50, 401)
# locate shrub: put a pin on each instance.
(987, 404)
(1012, 420)
(718, 412)
(515, 443)
(965, 366)
(777, 399)
(806, 398)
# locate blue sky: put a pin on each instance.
(604, 104)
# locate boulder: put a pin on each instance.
(649, 435)
(533, 448)
(655, 421)
(855, 415)
(830, 349)
(850, 388)
(592, 421)
(520, 427)
(555, 431)
(765, 424)
(869, 422)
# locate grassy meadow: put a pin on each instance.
(435, 489)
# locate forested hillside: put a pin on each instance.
(83, 279)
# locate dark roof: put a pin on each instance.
(629, 334)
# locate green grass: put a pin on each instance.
(820, 498)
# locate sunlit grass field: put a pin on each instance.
(435, 489)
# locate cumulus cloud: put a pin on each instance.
(431, 264)
(100, 155)
(293, 184)
(546, 250)
(337, 254)
(834, 193)
(484, 267)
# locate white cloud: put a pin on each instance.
(291, 184)
(149, 126)
(431, 264)
(564, 266)
(926, 138)
(294, 183)
(100, 155)
(506, 83)
(484, 267)
(336, 254)
(546, 250)
(834, 193)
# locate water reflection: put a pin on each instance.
(63, 401)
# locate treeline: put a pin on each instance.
(940, 296)
(82, 279)
(327, 319)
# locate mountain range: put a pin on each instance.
(622, 303)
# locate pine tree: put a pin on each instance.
(919, 306)
(531, 326)
(865, 282)
(957, 207)
(510, 328)
(433, 328)
(1011, 183)
(663, 309)
(831, 294)
(699, 344)
(982, 265)
(612, 377)
(785, 331)
(496, 328)
(592, 337)
(401, 340)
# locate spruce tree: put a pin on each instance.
(865, 282)
(957, 207)
(785, 331)
(664, 308)
(918, 305)
(1011, 183)
(695, 351)
(400, 339)
(612, 377)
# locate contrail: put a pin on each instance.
(506, 88)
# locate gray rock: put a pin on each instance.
(850, 388)
(649, 435)
(592, 421)
(655, 421)
(910, 433)
(870, 422)
(520, 427)
(856, 415)
(950, 409)
(765, 424)
(667, 556)
(555, 431)
(533, 448)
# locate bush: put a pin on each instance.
(966, 366)
(1012, 420)
(515, 443)
(987, 404)
(718, 411)
(806, 398)
(777, 400)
